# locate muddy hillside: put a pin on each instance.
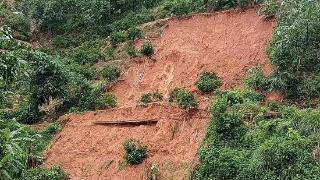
(228, 43)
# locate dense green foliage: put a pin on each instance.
(40, 173)
(226, 4)
(98, 16)
(111, 73)
(257, 80)
(183, 98)
(21, 150)
(18, 22)
(208, 82)
(238, 146)
(134, 33)
(270, 8)
(135, 152)
(295, 49)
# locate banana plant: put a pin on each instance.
(13, 153)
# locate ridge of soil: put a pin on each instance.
(227, 43)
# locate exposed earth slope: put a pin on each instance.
(228, 43)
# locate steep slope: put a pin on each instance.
(228, 43)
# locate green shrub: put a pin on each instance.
(111, 73)
(134, 33)
(293, 51)
(110, 52)
(281, 148)
(270, 8)
(85, 55)
(182, 7)
(30, 114)
(117, 38)
(81, 95)
(145, 99)
(183, 99)
(131, 50)
(147, 49)
(135, 152)
(157, 96)
(150, 97)
(63, 41)
(222, 4)
(106, 101)
(244, 3)
(48, 77)
(87, 71)
(227, 4)
(257, 80)
(220, 163)
(51, 130)
(208, 82)
(309, 88)
(41, 173)
(19, 22)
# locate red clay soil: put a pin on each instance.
(88, 151)
(227, 43)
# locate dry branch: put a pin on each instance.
(128, 122)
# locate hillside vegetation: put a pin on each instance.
(61, 56)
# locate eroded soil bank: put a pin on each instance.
(229, 43)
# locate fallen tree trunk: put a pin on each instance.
(128, 122)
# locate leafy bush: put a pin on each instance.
(106, 101)
(226, 4)
(157, 96)
(63, 41)
(20, 23)
(147, 49)
(270, 8)
(48, 78)
(222, 4)
(17, 145)
(96, 17)
(131, 50)
(208, 82)
(111, 73)
(309, 87)
(235, 148)
(183, 99)
(13, 153)
(145, 99)
(81, 96)
(244, 3)
(182, 7)
(29, 114)
(294, 50)
(134, 33)
(150, 97)
(41, 173)
(87, 71)
(135, 152)
(257, 80)
(85, 55)
(117, 38)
